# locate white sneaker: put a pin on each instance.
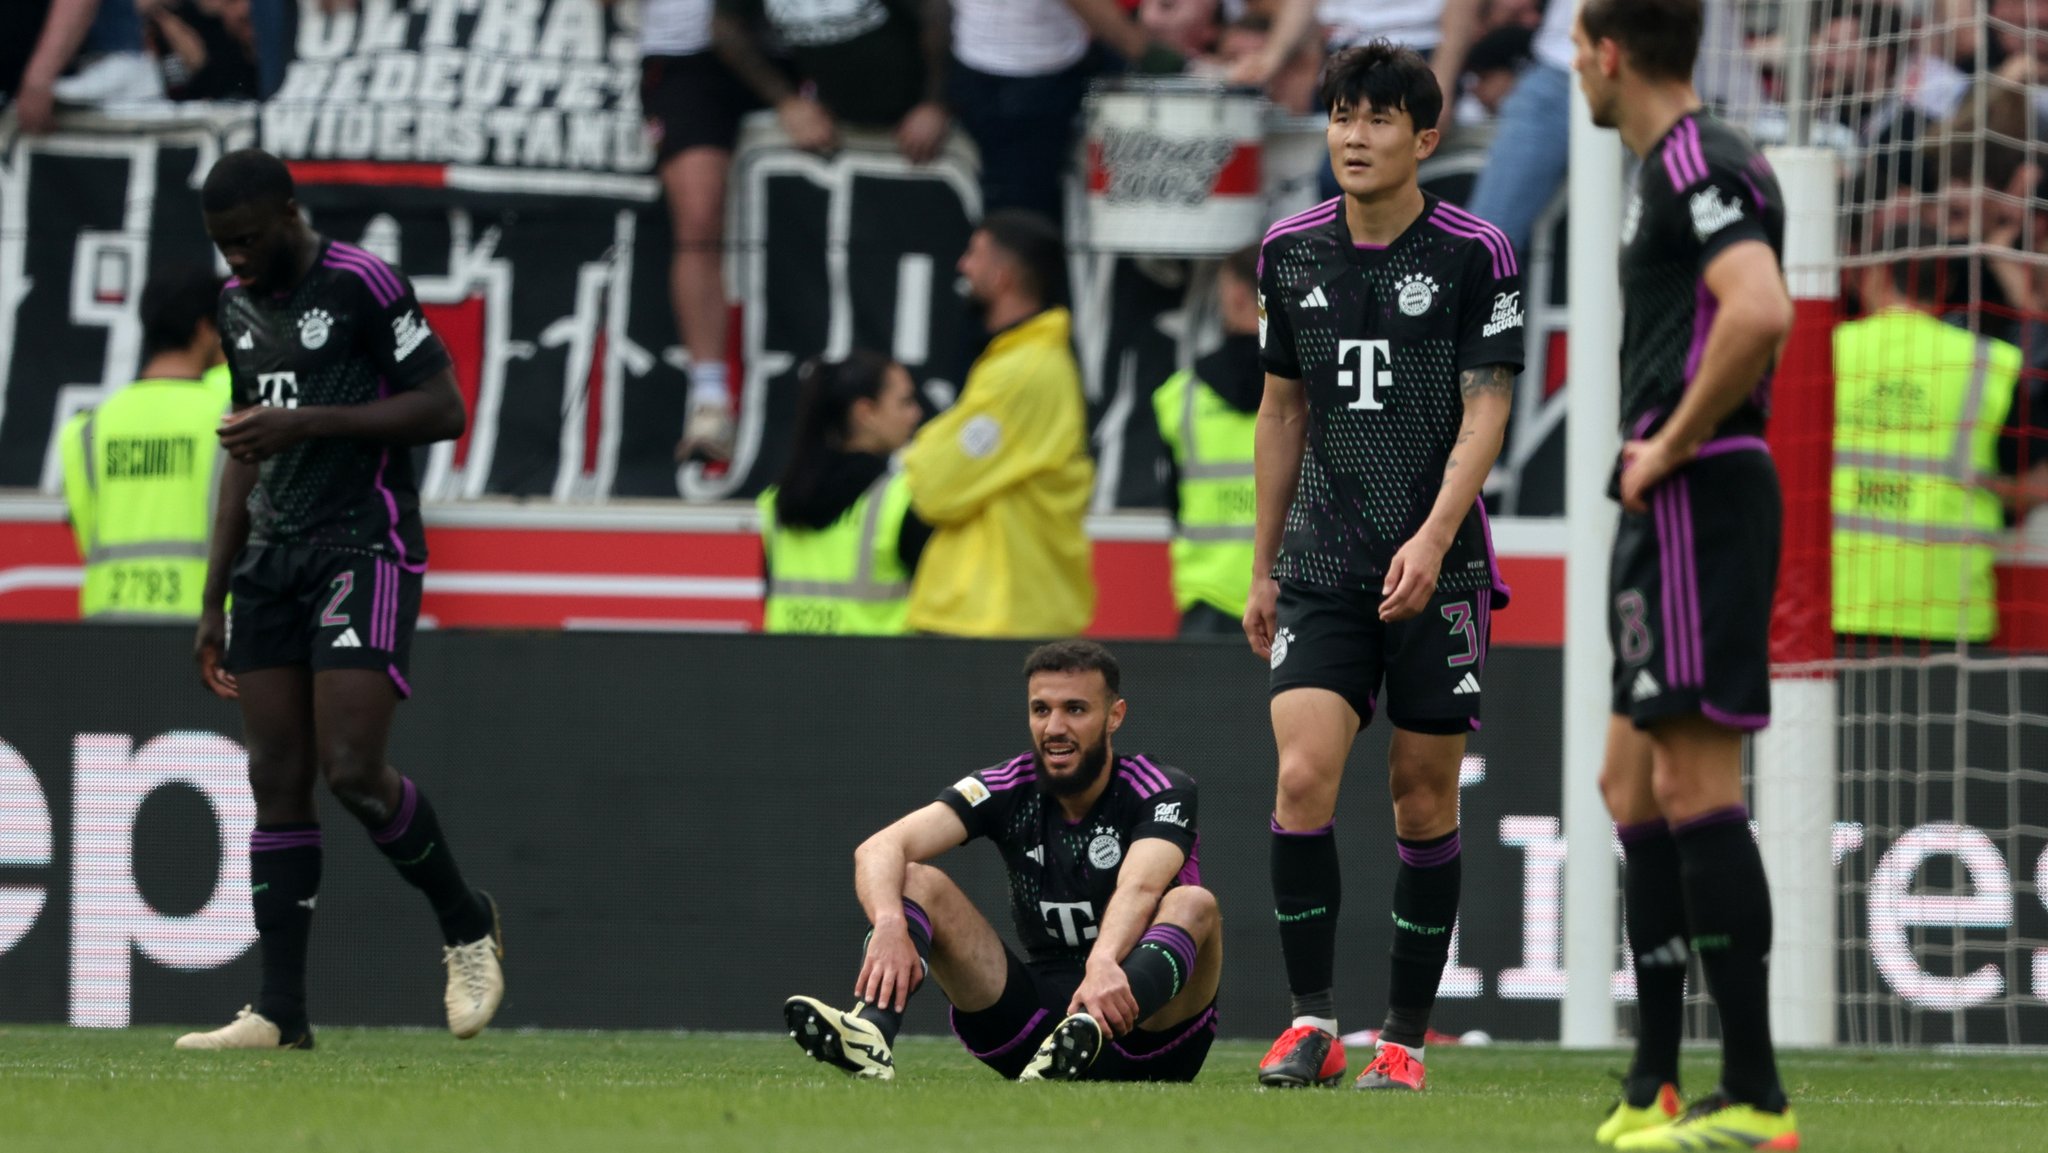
(112, 79)
(847, 1040)
(1067, 1052)
(476, 982)
(708, 432)
(249, 1030)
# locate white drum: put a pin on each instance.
(1174, 167)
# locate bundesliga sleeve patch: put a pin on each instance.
(1262, 321)
(408, 332)
(971, 790)
(980, 436)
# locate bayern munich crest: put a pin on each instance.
(314, 328)
(1415, 293)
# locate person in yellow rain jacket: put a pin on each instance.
(1003, 477)
(140, 467)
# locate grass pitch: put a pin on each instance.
(414, 1092)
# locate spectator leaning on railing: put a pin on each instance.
(38, 39)
(1004, 475)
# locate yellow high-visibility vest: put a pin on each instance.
(847, 579)
(1919, 406)
(140, 472)
(1211, 443)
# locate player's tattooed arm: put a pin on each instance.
(1488, 391)
(1497, 379)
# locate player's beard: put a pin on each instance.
(1093, 762)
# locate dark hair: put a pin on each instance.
(1502, 48)
(1244, 265)
(1076, 656)
(826, 390)
(247, 176)
(1661, 38)
(1936, 276)
(1035, 243)
(1385, 77)
(174, 304)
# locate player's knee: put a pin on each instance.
(1422, 811)
(1193, 908)
(926, 885)
(357, 782)
(1307, 794)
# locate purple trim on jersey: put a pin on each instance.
(263, 841)
(953, 1019)
(1684, 163)
(1644, 422)
(1667, 585)
(1743, 722)
(398, 680)
(408, 803)
(1492, 561)
(377, 605)
(914, 912)
(1755, 193)
(1696, 640)
(1304, 214)
(391, 507)
(1706, 820)
(1321, 215)
(1495, 240)
(1145, 789)
(1153, 769)
(1417, 857)
(1206, 1019)
(1695, 155)
(1327, 829)
(381, 292)
(1679, 577)
(1503, 256)
(1365, 246)
(371, 264)
(1705, 306)
(232, 282)
(1722, 446)
(1191, 869)
(1640, 831)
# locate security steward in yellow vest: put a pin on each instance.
(1208, 417)
(837, 535)
(140, 468)
(1923, 414)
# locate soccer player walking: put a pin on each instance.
(1125, 946)
(1695, 564)
(318, 536)
(1391, 333)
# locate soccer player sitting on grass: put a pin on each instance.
(1125, 945)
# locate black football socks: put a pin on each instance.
(1728, 907)
(1307, 892)
(414, 844)
(1425, 912)
(1653, 900)
(920, 925)
(284, 884)
(1159, 967)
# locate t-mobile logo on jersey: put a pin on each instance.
(1071, 922)
(1375, 358)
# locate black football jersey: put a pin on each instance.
(1378, 335)
(349, 333)
(1062, 874)
(1703, 188)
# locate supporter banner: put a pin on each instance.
(488, 97)
(553, 295)
(641, 821)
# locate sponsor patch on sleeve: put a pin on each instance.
(971, 790)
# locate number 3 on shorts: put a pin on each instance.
(1459, 613)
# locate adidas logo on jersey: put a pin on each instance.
(347, 640)
(1315, 298)
(247, 342)
(1467, 686)
(1646, 686)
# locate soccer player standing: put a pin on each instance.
(1391, 333)
(318, 536)
(1695, 563)
(1125, 946)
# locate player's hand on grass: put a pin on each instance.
(1105, 994)
(254, 435)
(207, 648)
(1261, 611)
(1645, 464)
(1411, 579)
(891, 970)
